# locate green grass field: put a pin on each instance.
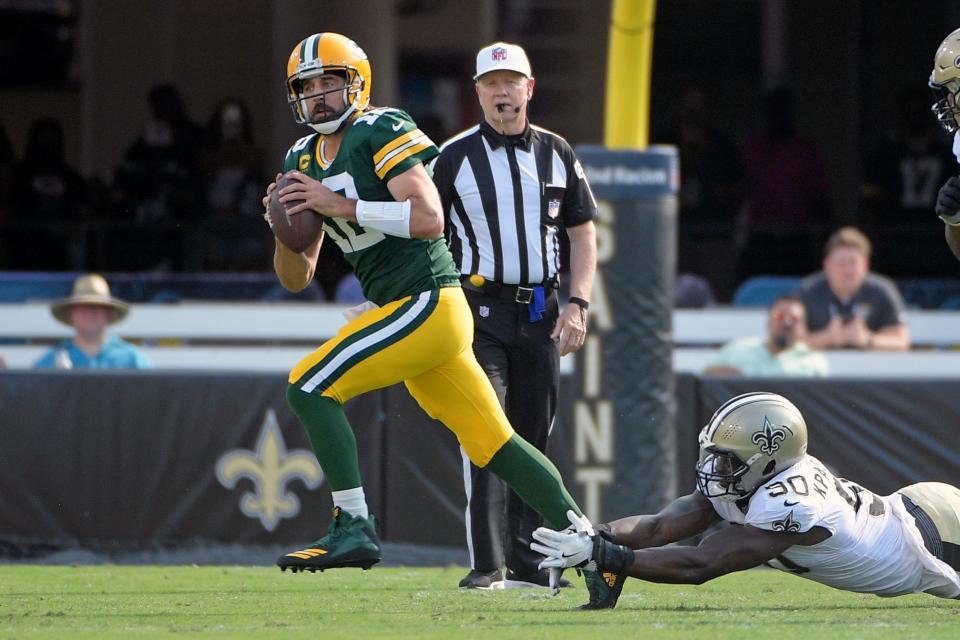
(259, 602)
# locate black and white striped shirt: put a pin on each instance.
(505, 199)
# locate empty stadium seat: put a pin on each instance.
(760, 291)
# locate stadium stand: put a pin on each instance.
(760, 291)
(262, 336)
(918, 293)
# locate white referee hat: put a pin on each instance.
(502, 56)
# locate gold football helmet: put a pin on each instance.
(945, 82)
(328, 54)
(750, 439)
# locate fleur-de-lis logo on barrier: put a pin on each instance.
(770, 438)
(788, 524)
(270, 467)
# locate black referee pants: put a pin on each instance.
(523, 364)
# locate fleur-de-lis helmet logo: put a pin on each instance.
(270, 467)
(770, 438)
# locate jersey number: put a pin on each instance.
(853, 494)
(349, 236)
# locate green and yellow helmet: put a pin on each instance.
(945, 82)
(333, 54)
(749, 439)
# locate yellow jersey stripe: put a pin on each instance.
(318, 153)
(393, 144)
(397, 159)
(385, 159)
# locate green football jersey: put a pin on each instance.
(377, 146)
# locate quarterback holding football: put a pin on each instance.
(786, 510)
(362, 173)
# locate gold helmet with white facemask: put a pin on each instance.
(749, 439)
(945, 82)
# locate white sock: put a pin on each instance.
(352, 501)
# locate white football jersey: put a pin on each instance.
(875, 547)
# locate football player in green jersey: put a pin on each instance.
(363, 171)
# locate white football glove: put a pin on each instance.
(572, 547)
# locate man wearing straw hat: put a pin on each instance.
(89, 310)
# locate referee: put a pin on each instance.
(509, 189)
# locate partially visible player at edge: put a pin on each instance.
(945, 83)
(363, 170)
(788, 511)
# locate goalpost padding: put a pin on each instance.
(623, 436)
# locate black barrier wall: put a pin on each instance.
(149, 459)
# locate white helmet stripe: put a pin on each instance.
(735, 403)
(309, 47)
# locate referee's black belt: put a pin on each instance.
(520, 293)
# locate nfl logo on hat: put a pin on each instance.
(502, 56)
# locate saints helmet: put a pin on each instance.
(328, 53)
(750, 439)
(945, 82)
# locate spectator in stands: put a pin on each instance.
(692, 292)
(232, 169)
(784, 351)
(847, 305)
(158, 182)
(89, 310)
(901, 176)
(788, 203)
(49, 200)
(711, 193)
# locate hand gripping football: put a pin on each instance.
(297, 231)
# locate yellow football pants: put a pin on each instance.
(425, 341)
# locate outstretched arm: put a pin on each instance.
(732, 549)
(684, 517)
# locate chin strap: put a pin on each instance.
(327, 128)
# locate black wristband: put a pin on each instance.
(604, 531)
(612, 558)
(580, 302)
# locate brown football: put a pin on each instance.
(297, 231)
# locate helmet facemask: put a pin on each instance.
(300, 103)
(719, 475)
(945, 105)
